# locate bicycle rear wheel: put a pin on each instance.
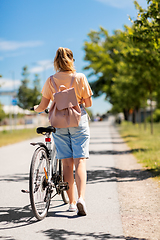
(39, 194)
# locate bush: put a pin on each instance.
(156, 116)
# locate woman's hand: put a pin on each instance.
(42, 106)
(35, 107)
(82, 100)
(88, 102)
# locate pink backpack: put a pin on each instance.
(65, 111)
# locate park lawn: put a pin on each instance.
(14, 136)
(145, 147)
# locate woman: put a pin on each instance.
(72, 144)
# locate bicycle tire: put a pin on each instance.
(64, 193)
(38, 184)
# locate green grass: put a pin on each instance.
(14, 136)
(145, 147)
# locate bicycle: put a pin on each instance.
(46, 175)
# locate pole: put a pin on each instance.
(14, 97)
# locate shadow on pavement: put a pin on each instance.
(127, 136)
(155, 171)
(21, 177)
(117, 175)
(134, 238)
(122, 142)
(14, 217)
(62, 234)
(7, 238)
(114, 152)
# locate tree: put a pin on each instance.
(2, 113)
(0, 77)
(28, 97)
(99, 52)
(35, 93)
(115, 77)
(146, 38)
(127, 64)
(23, 91)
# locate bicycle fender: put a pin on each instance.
(41, 145)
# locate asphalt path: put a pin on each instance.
(103, 220)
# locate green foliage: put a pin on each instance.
(108, 60)
(103, 61)
(156, 116)
(127, 64)
(2, 113)
(144, 146)
(14, 136)
(147, 25)
(145, 36)
(28, 97)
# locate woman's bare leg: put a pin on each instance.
(68, 164)
(80, 176)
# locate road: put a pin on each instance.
(103, 220)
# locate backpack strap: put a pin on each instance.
(54, 85)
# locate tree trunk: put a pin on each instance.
(134, 116)
(145, 122)
(139, 117)
(126, 114)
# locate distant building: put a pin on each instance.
(15, 110)
(143, 113)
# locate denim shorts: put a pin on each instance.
(73, 142)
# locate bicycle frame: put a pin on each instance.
(46, 175)
(50, 154)
(53, 180)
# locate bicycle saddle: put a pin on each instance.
(41, 130)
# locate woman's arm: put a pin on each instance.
(88, 102)
(43, 105)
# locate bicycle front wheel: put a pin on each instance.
(38, 187)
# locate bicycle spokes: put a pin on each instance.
(45, 173)
(39, 192)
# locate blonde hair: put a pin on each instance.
(63, 60)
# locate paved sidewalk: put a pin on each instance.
(103, 220)
(139, 194)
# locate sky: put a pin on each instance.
(32, 31)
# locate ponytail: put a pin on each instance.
(63, 60)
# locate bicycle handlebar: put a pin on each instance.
(46, 110)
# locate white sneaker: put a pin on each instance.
(72, 207)
(82, 211)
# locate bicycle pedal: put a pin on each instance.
(66, 185)
(24, 191)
